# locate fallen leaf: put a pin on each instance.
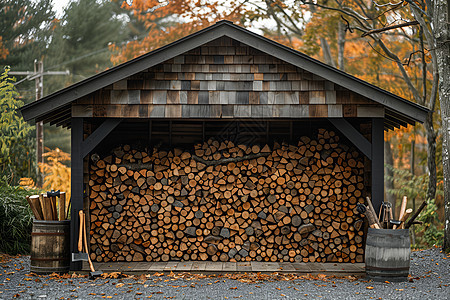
(369, 287)
(233, 288)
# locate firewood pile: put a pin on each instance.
(49, 206)
(227, 202)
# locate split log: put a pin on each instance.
(222, 202)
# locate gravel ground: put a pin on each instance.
(429, 279)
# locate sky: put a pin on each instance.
(59, 6)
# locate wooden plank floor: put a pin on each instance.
(231, 267)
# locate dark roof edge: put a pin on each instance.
(327, 70)
(118, 72)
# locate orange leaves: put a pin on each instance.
(3, 51)
(56, 173)
(168, 21)
(113, 275)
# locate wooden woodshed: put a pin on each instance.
(225, 146)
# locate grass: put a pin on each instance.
(15, 219)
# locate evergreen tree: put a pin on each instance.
(81, 41)
(25, 30)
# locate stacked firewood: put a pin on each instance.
(227, 202)
(49, 206)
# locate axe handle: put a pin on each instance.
(80, 232)
(91, 265)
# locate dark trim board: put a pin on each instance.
(377, 163)
(77, 186)
(98, 135)
(405, 109)
(353, 135)
(80, 149)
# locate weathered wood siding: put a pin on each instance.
(225, 79)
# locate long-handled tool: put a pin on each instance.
(80, 256)
(93, 274)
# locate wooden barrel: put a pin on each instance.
(387, 254)
(50, 247)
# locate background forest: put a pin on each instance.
(387, 44)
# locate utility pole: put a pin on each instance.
(38, 77)
(39, 84)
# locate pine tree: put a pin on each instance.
(81, 41)
(25, 29)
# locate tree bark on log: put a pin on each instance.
(226, 202)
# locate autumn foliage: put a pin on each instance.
(172, 20)
(56, 173)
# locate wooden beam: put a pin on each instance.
(377, 163)
(61, 119)
(77, 188)
(170, 133)
(150, 125)
(353, 135)
(98, 135)
(203, 131)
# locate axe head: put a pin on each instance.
(395, 222)
(79, 256)
(53, 193)
(95, 274)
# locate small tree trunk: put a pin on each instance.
(328, 58)
(442, 34)
(341, 46)
(389, 175)
(431, 153)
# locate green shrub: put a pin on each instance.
(15, 219)
(428, 234)
(431, 232)
(17, 143)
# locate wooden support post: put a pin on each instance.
(80, 149)
(98, 135)
(77, 188)
(377, 163)
(353, 135)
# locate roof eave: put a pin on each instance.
(414, 111)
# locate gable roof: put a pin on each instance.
(398, 110)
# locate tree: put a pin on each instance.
(17, 158)
(25, 30)
(167, 21)
(81, 41)
(81, 44)
(392, 33)
(441, 35)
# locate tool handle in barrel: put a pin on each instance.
(375, 220)
(416, 214)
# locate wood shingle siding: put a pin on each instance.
(224, 79)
